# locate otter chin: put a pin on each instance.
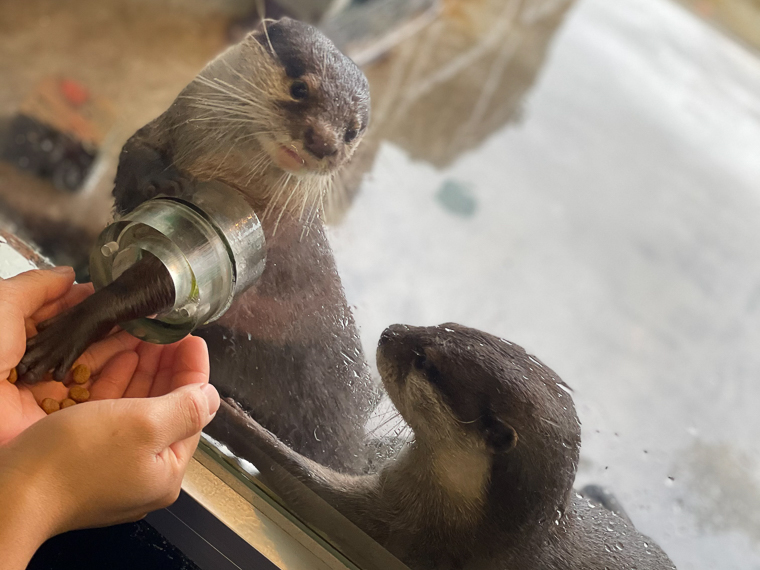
(487, 481)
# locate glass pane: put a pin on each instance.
(578, 177)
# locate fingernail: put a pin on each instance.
(63, 269)
(212, 397)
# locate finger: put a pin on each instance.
(74, 296)
(142, 379)
(191, 364)
(30, 327)
(115, 377)
(31, 290)
(21, 296)
(183, 413)
(163, 379)
(98, 355)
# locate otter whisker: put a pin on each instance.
(257, 166)
(245, 79)
(285, 205)
(303, 205)
(279, 188)
(395, 416)
(470, 422)
(261, 9)
(218, 83)
(243, 97)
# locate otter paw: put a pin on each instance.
(57, 344)
(169, 182)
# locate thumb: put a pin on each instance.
(183, 412)
(30, 290)
(21, 296)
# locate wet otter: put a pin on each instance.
(487, 481)
(275, 117)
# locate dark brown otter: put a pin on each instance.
(487, 482)
(275, 116)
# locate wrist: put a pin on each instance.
(25, 523)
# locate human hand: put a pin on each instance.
(25, 301)
(120, 365)
(100, 462)
(112, 461)
(109, 461)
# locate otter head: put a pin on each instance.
(456, 384)
(275, 115)
(319, 97)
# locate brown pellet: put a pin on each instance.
(13, 377)
(79, 394)
(67, 403)
(50, 405)
(81, 374)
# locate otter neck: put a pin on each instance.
(452, 482)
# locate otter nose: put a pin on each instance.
(320, 142)
(393, 337)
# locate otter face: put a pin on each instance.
(321, 98)
(450, 378)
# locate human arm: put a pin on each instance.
(100, 462)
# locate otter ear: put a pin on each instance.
(501, 436)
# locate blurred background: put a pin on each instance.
(581, 177)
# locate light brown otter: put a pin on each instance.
(275, 116)
(487, 482)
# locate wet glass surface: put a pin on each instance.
(580, 178)
(607, 221)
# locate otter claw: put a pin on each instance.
(56, 346)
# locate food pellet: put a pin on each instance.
(81, 374)
(79, 394)
(67, 403)
(13, 377)
(50, 405)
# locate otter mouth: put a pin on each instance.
(394, 356)
(289, 159)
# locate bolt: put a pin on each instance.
(187, 311)
(109, 249)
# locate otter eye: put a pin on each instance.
(429, 369)
(350, 135)
(299, 90)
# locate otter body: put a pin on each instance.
(487, 482)
(275, 117)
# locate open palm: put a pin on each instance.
(121, 365)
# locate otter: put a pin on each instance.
(487, 482)
(275, 117)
